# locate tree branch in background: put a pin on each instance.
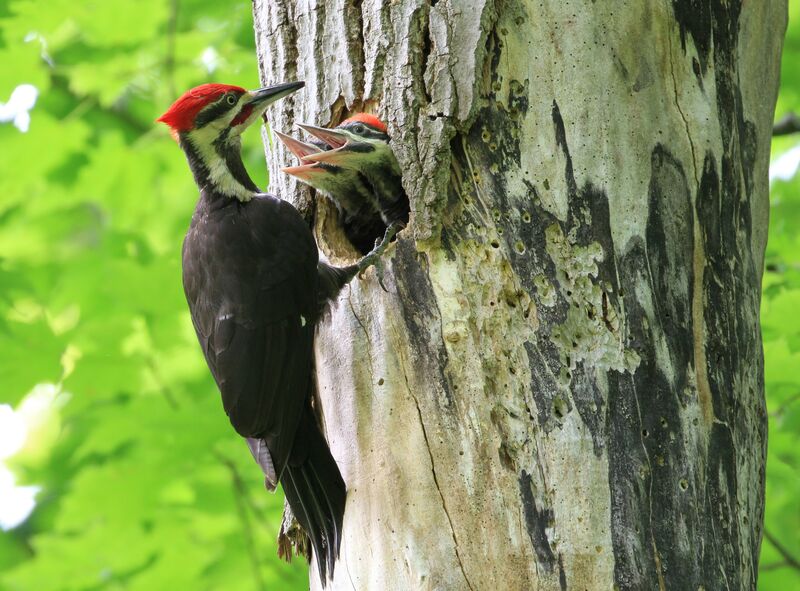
(782, 408)
(789, 123)
(240, 494)
(788, 559)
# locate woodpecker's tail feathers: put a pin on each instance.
(258, 447)
(316, 493)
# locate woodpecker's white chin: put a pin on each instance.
(211, 150)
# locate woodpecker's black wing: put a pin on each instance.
(250, 276)
(252, 281)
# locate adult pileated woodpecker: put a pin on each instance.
(349, 190)
(255, 289)
(361, 143)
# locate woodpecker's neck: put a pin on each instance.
(216, 163)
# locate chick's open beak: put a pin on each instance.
(296, 147)
(335, 139)
(340, 156)
(304, 171)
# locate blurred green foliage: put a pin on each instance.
(780, 323)
(144, 484)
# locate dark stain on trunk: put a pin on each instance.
(730, 286)
(687, 511)
(562, 575)
(536, 521)
(561, 142)
(421, 314)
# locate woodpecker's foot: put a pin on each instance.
(373, 259)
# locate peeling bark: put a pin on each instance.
(563, 386)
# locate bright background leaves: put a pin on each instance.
(143, 485)
(780, 322)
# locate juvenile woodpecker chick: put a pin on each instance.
(361, 143)
(350, 192)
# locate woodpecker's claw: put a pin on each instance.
(373, 259)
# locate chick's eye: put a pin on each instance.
(231, 99)
(359, 129)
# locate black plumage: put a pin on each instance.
(255, 289)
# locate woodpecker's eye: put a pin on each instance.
(231, 99)
(359, 129)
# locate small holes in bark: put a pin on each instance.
(380, 382)
(696, 68)
(526, 217)
(560, 408)
(684, 484)
(495, 244)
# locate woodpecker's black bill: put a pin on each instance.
(270, 94)
(335, 139)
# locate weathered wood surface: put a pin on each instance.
(563, 386)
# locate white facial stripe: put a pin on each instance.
(203, 140)
(218, 172)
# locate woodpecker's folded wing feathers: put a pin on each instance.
(264, 374)
(255, 316)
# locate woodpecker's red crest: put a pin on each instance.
(181, 115)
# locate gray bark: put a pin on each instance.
(563, 386)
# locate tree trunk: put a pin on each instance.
(563, 386)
